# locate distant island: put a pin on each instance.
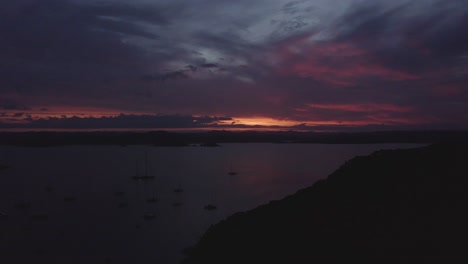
(394, 206)
(213, 138)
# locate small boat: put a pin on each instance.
(23, 205)
(145, 177)
(149, 217)
(40, 216)
(122, 205)
(210, 207)
(151, 200)
(232, 172)
(69, 199)
(119, 194)
(3, 160)
(178, 190)
(209, 144)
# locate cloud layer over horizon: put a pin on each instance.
(315, 62)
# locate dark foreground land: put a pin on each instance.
(394, 206)
(210, 139)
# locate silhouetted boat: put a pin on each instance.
(3, 161)
(40, 216)
(122, 205)
(146, 176)
(178, 190)
(69, 199)
(119, 193)
(210, 207)
(149, 217)
(209, 144)
(23, 205)
(232, 172)
(151, 200)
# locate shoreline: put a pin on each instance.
(169, 139)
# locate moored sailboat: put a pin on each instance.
(146, 176)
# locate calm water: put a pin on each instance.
(92, 228)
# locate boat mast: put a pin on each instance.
(146, 163)
(137, 169)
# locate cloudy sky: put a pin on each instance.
(306, 64)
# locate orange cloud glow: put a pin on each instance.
(264, 121)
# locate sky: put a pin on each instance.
(315, 65)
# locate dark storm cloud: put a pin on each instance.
(209, 65)
(229, 42)
(65, 47)
(122, 121)
(122, 27)
(12, 105)
(427, 42)
(293, 7)
(406, 53)
(183, 73)
(145, 13)
(402, 39)
(242, 58)
(173, 75)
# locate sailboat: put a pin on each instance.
(149, 216)
(40, 216)
(178, 190)
(232, 172)
(152, 198)
(3, 165)
(146, 176)
(210, 207)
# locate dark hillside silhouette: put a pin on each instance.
(394, 206)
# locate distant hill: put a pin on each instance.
(167, 139)
(394, 206)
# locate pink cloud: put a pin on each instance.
(370, 107)
(333, 63)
